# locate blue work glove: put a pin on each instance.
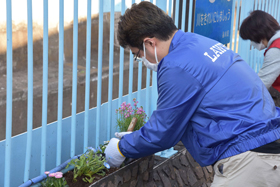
(113, 155)
(121, 134)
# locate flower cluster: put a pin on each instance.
(54, 180)
(127, 112)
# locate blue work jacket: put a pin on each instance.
(210, 99)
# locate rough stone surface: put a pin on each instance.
(139, 183)
(146, 176)
(209, 168)
(178, 178)
(275, 96)
(156, 176)
(133, 183)
(198, 172)
(176, 163)
(143, 166)
(118, 180)
(184, 176)
(127, 175)
(135, 171)
(184, 160)
(182, 170)
(166, 170)
(191, 177)
(110, 184)
(206, 174)
(123, 176)
(165, 180)
(172, 171)
(150, 184)
(190, 158)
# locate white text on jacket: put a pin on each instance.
(218, 50)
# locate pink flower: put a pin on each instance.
(58, 176)
(47, 172)
(59, 173)
(52, 175)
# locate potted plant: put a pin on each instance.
(127, 112)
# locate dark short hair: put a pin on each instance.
(144, 20)
(258, 25)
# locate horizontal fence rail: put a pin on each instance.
(109, 77)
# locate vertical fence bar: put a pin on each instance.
(244, 45)
(236, 25)
(232, 22)
(147, 100)
(74, 77)
(87, 74)
(270, 6)
(9, 93)
(170, 8)
(30, 90)
(111, 62)
(139, 82)
(273, 9)
(183, 15)
(263, 6)
(99, 82)
(60, 82)
(252, 52)
(130, 86)
(177, 13)
(259, 4)
(190, 15)
(154, 81)
(277, 12)
(266, 5)
(121, 62)
(45, 87)
(148, 77)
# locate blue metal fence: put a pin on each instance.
(29, 154)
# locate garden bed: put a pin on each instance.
(80, 183)
(136, 172)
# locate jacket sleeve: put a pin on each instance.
(179, 96)
(271, 66)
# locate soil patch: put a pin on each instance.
(80, 183)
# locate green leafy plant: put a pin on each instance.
(90, 163)
(126, 113)
(54, 180)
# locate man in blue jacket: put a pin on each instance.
(208, 98)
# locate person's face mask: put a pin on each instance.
(149, 65)
(259, 46)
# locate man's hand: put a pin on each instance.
(113, 155)
(121, 134)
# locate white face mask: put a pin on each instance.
(149, 65)
(259, 46)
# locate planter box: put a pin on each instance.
(137, 173)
